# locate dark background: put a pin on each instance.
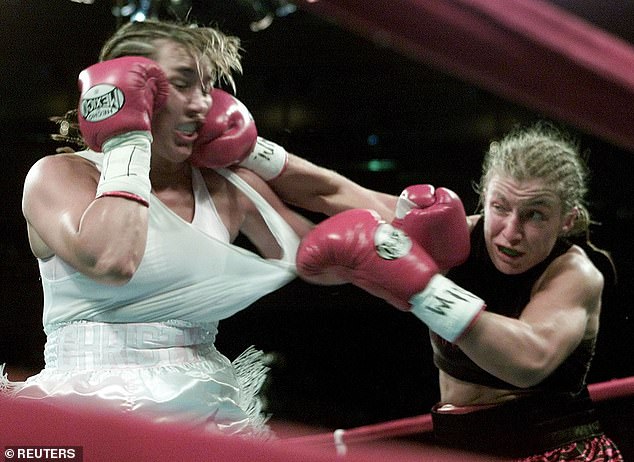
(341, 357)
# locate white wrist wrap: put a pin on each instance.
(267, 159)
(448, 309)
(126, 167)
(403, 205)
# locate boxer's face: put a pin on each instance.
(174, 126)
(522, 220)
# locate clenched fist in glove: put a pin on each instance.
(356, 246)
(118, 99)
(229, 136)
(119, 96)
(435, 218)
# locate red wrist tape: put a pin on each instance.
(125, 195)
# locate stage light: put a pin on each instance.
(381, 165)
(263, 12)
(140, 10)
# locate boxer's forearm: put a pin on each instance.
(318, 189)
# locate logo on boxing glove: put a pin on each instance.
(390, 242)
(100, 102)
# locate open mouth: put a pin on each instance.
(188, 128)
(509, 252)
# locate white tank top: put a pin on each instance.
(189, 272)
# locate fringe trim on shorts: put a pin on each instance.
(251, 372)
(4, 380)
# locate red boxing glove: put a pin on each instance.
(228, 134)
(435, 218)
(119, 96)
(356, 246)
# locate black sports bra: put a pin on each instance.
(506, 295)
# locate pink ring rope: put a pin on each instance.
(103, 435)
(612, 389)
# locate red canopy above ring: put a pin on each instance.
(530, 52)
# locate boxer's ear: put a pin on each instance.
(570, 220)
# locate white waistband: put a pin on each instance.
(88, 345)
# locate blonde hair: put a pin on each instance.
(220, 52)
(209, 46)
(544, 152)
